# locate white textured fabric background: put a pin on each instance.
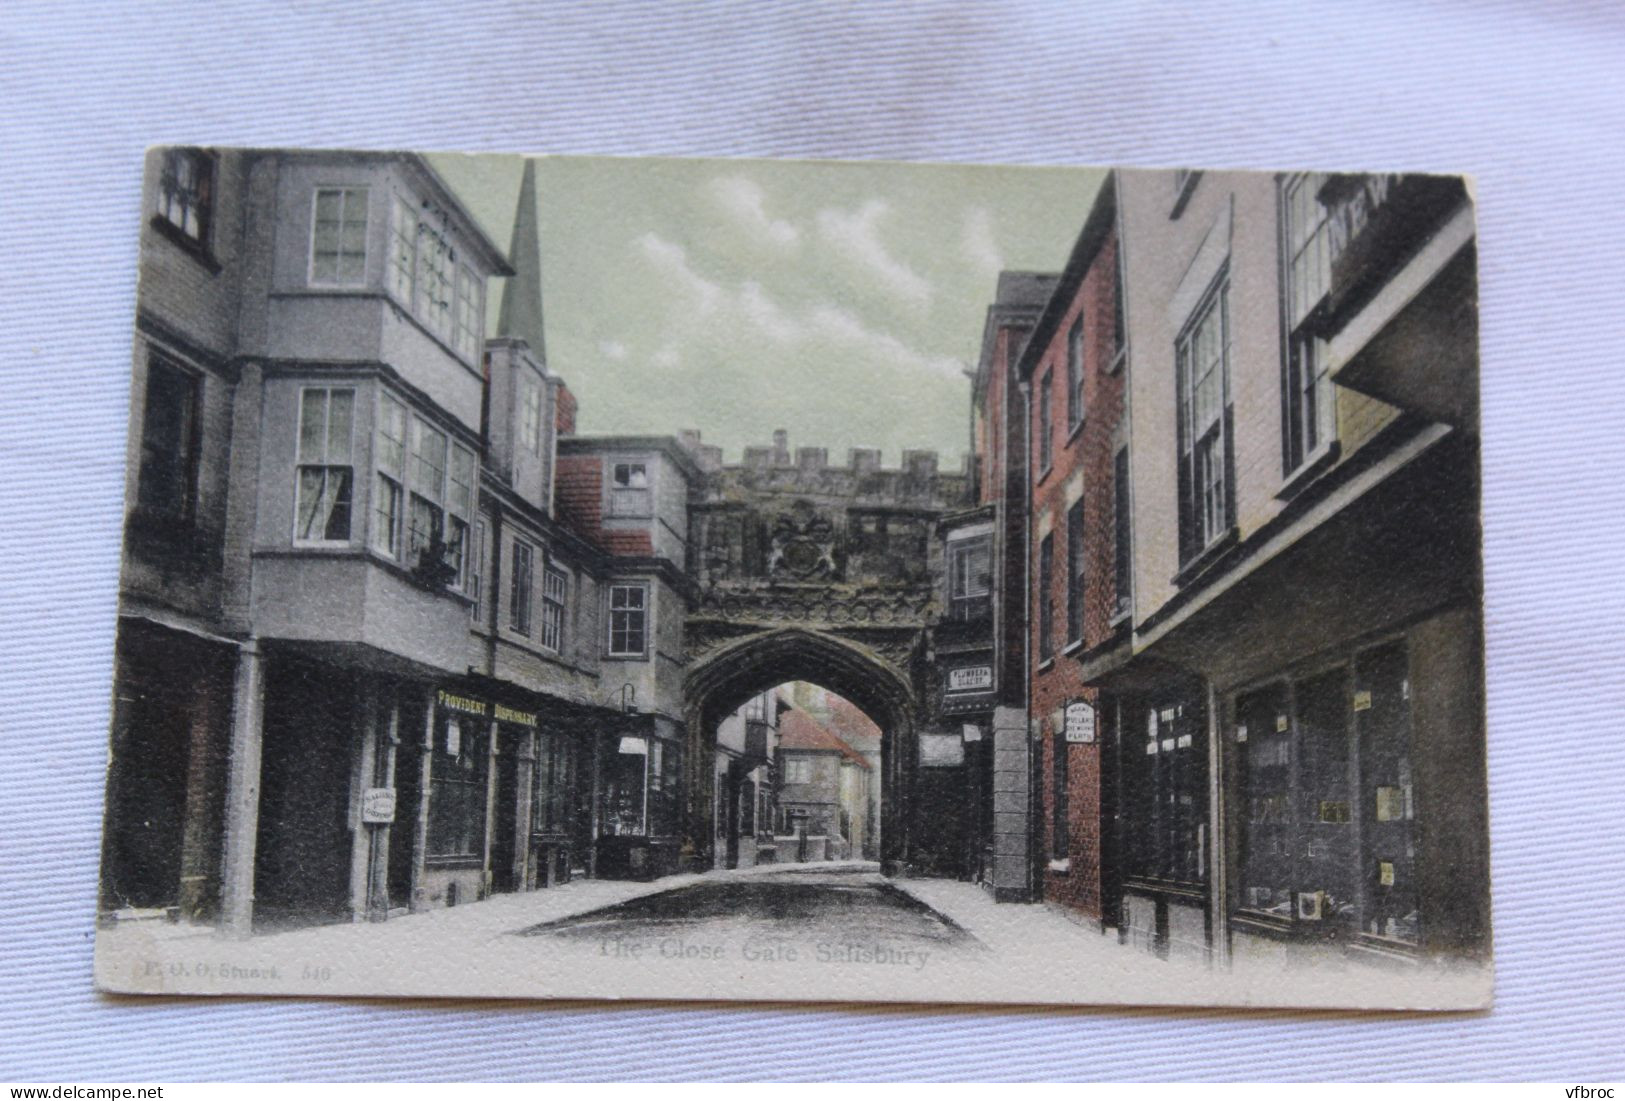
(1528, 98)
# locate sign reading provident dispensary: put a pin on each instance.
(848, 716)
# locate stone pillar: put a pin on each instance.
(420, 837)
(1012, 806)
(243, 793)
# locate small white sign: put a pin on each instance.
(1080, 722)
(970, 678)
(971, 732)
(377, 806)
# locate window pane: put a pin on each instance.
(340, 414)
(1328, 887)
(428, 461)
(323, 510)
(392, 438)
(461, 494)
(386, 524)
(1264, 731)
(312, 426)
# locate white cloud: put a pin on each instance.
(977, 244)
(672, 259)
(845, 329)
(746, 201)
(612, 349)
(666, 358)
(855, 234)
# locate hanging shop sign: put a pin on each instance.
(1080, 722)
(378, 806)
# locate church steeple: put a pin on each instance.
(521, 313)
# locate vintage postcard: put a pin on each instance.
(617, 578)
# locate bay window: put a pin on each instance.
(467, 317)
(1206, 482)
(970, 578)
(338, 237)
(432, 300)
(325, 474)
(389, 493)
(629, 490)
(436, 477)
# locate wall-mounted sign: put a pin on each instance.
(378, 806)
(453, 702)
(941, 751)
(1362, 700)
(509, 715)
(1080, 722)
(970, 678)
(971, 732)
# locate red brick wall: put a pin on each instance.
(578, 497)
(564, 415)
(1058, 683)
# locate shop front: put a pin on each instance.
(640, 798)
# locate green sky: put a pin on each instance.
(838, 300)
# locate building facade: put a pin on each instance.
(1299, 712)
(1073, 366)
(823, 791)
(745, 789)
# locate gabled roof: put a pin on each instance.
(800, 731)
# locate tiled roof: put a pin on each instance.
(799, 730)
(852, 725)
(578, 496)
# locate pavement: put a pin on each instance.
(835, 931)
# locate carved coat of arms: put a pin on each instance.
(803, 544)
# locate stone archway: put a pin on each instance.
(745, 666)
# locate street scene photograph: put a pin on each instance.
(590, 578)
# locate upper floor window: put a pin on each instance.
(1046, 435)
(186, 193)
(389, 494)
(1206, 489)
(326, 476)
(1046, 598)
(530, 413)
(167, 485)
(554, 585)
(466, 319)
(476, 572)
(519, 588)
(427, 279)
(629, 490)
(970, 578)
(1074, 374)
(628, 620)
(1074, 572)
(1309, 409)
(757, 707)
(441, 500)
(798, 770)
(338, 237)
(1122, 535)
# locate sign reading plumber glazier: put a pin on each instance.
(970, 678)
(1080, 722)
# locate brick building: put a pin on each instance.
(1072, 365)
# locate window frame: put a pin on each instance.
(1045, 429)
(1122, 534)
(476, 570)
(642, 611)
(1076, 409)
(205, 166)
(188, 455)
(1046, 598)
(1308, 404)
(530, 411)
(1206, 511)
(521, 585)
(345, 191)
(1076, 572)
(967, 604)
(553, 607)
(470, 789)
(641, 498)
(300, 465)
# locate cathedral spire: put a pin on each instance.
(521, 314)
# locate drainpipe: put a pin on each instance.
(1025, 389)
